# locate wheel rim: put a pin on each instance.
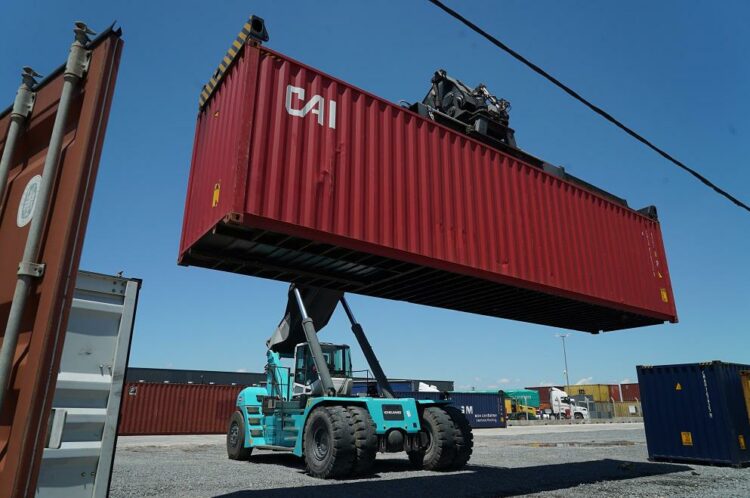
(320, 443)
(234, 434)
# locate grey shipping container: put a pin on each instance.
(695, 413)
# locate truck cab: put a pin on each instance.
(564, 407)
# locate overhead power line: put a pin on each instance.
(588, 104)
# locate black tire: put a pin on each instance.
(328, 443)
(236, 438)
(365, 439)
(462, 435)
(578, 416)
(441, 450)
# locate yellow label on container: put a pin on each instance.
(664, 295)
(687, 438)
(742, 442)
(215, 200)
(678, 387)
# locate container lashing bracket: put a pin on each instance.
(29, 269)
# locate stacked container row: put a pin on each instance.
(602, 393)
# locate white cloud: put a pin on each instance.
(545, 383)
(503, 381)
(585, 380)
(626, 380)
(241, 370)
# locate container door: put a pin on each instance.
(77, 459)
(745, 376)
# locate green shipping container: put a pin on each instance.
(528, 397)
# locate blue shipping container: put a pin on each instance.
(695, 413)
(362, 387)
(482, 409)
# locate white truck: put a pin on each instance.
(564, 407)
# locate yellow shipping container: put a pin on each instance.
(628, 409)
(598, 392)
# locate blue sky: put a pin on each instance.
(676, 71)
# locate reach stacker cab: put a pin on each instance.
(309, 410)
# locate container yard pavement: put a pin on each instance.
(579, 460)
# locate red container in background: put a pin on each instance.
(614, 392)
(176, 408)
(301, 177)
(631, 392)
(543, 395)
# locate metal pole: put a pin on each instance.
(565, 357)
(22, 107)
(30, 268)
(364, 344)
(317, 353)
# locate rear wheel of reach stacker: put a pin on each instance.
(441, 440)
(328, 442)
(462, 435)
(236, 438)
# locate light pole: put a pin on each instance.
(565, 357)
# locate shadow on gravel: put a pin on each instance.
(475, 480)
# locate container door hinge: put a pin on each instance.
(25, 98)
(31, 269)
(79, 58)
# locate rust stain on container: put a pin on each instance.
(176, 408)
(328, 185)
(23, 422)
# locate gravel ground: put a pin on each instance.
(582, 461)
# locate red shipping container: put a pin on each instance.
(614, 392)
(298, 176)
(631, 392)
(176, 408)
(28, 401)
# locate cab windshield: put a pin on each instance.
(337, 358)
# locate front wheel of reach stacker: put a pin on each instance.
(236, 438)
(328, 443)
(440, 431)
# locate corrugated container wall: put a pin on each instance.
(628, 409)
(176, 408)
(696, 413)
(301, 177)
(630, 392)
(482, 409)
(614, 392)
(602, 393)
(543, 394)
(529, 397)
(23, 421)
